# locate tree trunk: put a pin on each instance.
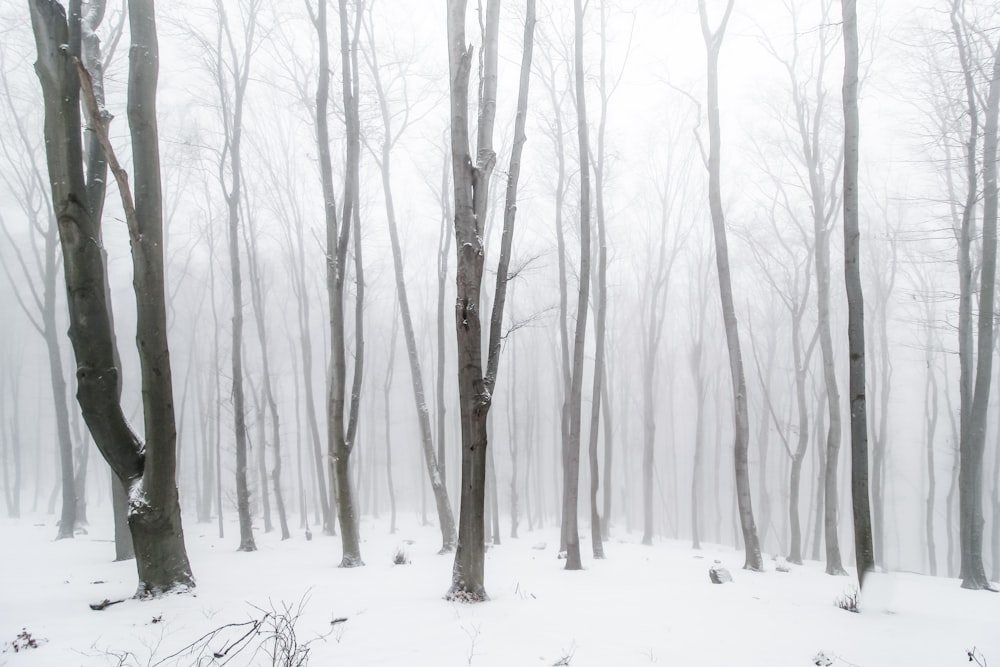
(387, 412)
(148, 469)
(931, 412)
(571, 462)
(973, 443)
(713, 44)
(471, 186)
(446, 520)
(860, 502)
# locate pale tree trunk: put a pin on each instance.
(951, 565)
(556, 133)
(444, 249)
(217, 384)
(713, 44)
(571, 461)
(387, 415)
(231, 108)
(267, 399)
(600, 324)
(512, 435)
(446, 520)
(341, 434)
(258, 444)
(880, 386)
(860, 502)
(471, 186)
(696, 361)
(930, 429)
(148, 469)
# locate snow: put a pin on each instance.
(641, 606)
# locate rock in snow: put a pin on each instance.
(719, 574)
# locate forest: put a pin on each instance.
(674, 294)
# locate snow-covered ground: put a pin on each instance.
(643, 605)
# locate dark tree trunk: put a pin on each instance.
(471, 186)
(148, 469)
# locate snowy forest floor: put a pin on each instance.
(641, 606)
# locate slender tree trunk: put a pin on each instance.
(571, 462)
(860, 501)
(387, 414)
(931, 412)
(446, 520)
(713, 44)
(444, 249)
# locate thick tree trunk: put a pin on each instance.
(713, 44)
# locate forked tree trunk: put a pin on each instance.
(471, 186)
(148, 469)
(713, 44)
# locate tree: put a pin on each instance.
(973, 423)
(860, 503)
(383, 157)
(571, 460)
(146, 469)
(713, 45)
(232, 103)
(341, 432)
(471, 185)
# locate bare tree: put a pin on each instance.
(147, 469)
(713, 45)
(471, 184)
(341, 431)
(973, 422)
(860, 502)
(383, 157)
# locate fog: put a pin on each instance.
(663, 314)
